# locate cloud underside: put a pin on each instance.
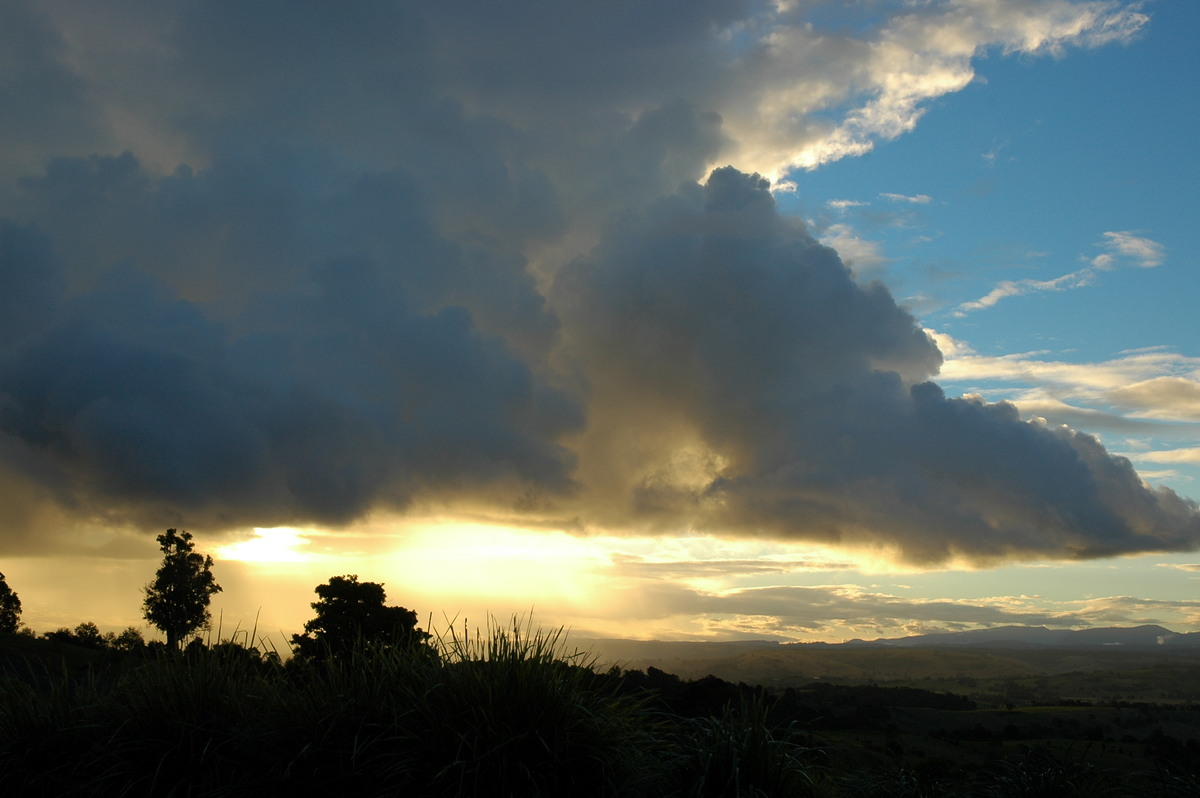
(406, 260)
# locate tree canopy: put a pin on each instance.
(177, 600)
(10, 608)
(352, 613)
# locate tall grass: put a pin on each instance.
(738, 754)
(505, 712)
(524, 717)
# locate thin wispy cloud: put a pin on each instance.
(1189, 455)
(1127, 247)
(842, 610)
(916, 199)
(1121, 249)
(1012, 288)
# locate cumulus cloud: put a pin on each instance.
(807, 396)
(293, 262)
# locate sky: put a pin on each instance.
(797, 320)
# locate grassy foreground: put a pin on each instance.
(506, 713)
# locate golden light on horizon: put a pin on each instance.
(269, 545)
(508, 563)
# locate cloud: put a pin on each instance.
(1182, 566)
(1142, 251)
(1011, 288)
(287, 263)
(834, 611)
(723, 569)
(1167, 398)
(1149, 394)
(864, 257)
(909, 59)
(713, 604)
(1122, 247)
(963, 363)
(917, 199)
(46, 103)
(1189, 455)
(327, 395)
(790, 93)
(807, 398)
(1148, 386)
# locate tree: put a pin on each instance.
(86, 635)
(129, 641)
(10, 608)
(177, 600)
(352, 613)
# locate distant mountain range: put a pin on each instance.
(674, 654)
(1041, 637)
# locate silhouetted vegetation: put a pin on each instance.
(88, 635)
(512, 712)
(351, 615)
(370, 704)
(177, 600)
(10, 608)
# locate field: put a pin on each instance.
(989, 676)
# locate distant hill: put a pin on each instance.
(1009, 652)
(1148, 636)
(1002, 637)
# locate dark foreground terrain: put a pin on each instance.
(516, 714)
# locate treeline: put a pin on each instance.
(176, 602)
(349, 613)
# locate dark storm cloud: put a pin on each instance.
(43, 103)
(294, 261)
(335, 396)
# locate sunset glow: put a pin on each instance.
(277, 545)
(802, 321)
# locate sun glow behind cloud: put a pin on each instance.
(275, 545)
(443, 561)
(341, 308)
(480, 561)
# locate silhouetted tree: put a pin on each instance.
(10, 608)
(86, 634)
(352, 613)
(129, 641)
(177, 600)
